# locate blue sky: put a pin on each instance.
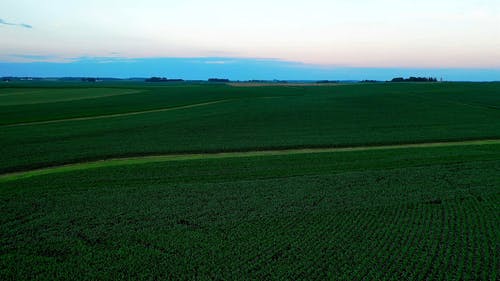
(314, 39)
(234, 69)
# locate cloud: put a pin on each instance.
(28, 58)
(15, 24)
(26, 25)
(218, 62)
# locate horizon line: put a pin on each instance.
(201, 68)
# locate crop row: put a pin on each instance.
(293, 117)
(169, 220)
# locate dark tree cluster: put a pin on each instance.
(218, 80)
(326, 81)
(156, 79)
(414, 79)
(14, 78)
(162, 79)
(92, 80)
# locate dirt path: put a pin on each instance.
(114, 115)
(186, 157)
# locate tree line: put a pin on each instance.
(162, 79)
(414, 79)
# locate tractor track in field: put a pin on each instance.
(115, 114)
(122, 161)
(89, 97)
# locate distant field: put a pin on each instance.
(197, 181)
(33, 96)
(253, 118)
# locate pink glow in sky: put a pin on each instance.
(352, 33)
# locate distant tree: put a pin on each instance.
(156, 79)
(162, 79)
(218, 80)
(414, 79)
(326, 81)
(398, 79)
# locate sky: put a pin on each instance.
(257, 39)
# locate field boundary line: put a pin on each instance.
(115, 114)
(123, 161)
(90, 97)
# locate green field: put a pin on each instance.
(214, 182)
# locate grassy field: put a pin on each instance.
(236, 119)
(196, 182)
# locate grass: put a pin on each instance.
(105, 116)
(253, 119)
(221, 155)
(415, 213)
(41, 96)
(153, 181)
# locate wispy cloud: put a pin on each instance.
(15, 24)
(29, 58)
(219, 61)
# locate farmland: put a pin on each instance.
(209, 181)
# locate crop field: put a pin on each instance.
(185, 181)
